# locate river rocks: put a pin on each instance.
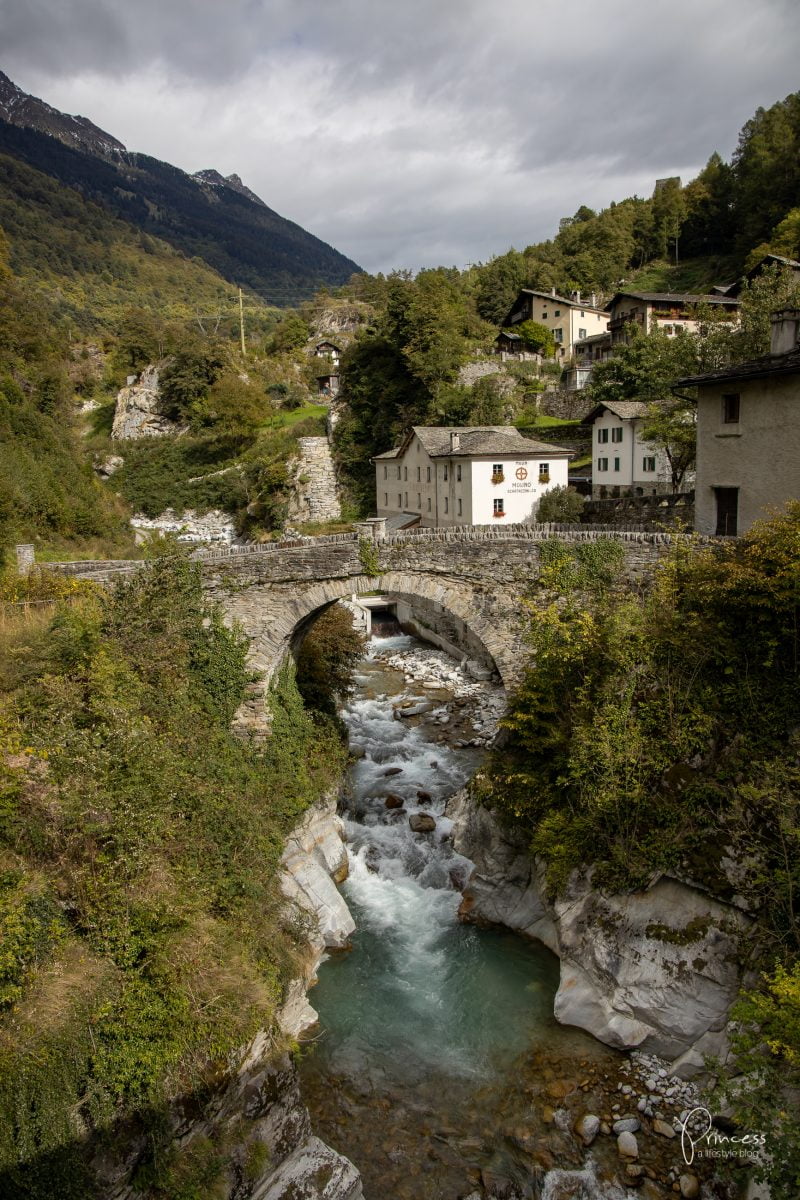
(424, 797)
(421, 823)
(689, 1186)
(393, 801)
(656, 969)
(627, 1146)
(392, 771)
(663, 1128)
(627, 1125)
(587, 1128)
(137, 412)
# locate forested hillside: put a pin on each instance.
(242, 239)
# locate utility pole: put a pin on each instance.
(241, 323)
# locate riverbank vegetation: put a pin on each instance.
(658, 732)
(144, 939)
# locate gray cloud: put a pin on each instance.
(421, 133)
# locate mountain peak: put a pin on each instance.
(215, 179)
(29, 112)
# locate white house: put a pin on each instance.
(621, 461)
(569, 321)
(748, 434)
(441, 476)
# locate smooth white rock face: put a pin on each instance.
(312, 1172)
(314, 853)
(631, 972)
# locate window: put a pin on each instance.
(398, 470)
(460, 509)
(406, 499)
(405, 473)
(544, 316)
(544, 472)
(385, 472)
(557, 312)
(399, 500)
(616, 464)
(497, 473)
(386, 499)
(446, 505)
(583, 314)
(602, 464)
(429, 504)
(581, 333)
(499, 510)
(727, 510)
(616, 433)
(445, 472)
(419, 474)
(649, 462)
(602, 435)
(730, 409)
(558, 335)
(419, 500)
(458, 472)
(429, 474)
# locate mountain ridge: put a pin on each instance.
(206, 215)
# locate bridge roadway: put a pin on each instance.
(472, 577)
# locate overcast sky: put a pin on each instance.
(410, 133)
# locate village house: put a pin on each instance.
(510, 345)
(748, 434)
(668, 311)
(769, 260)
(329, 350)
(588, 353)
(440, 476)
(569, 321)
(622, 463)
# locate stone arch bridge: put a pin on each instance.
(467, 582)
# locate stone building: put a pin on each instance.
(748, 434)
(440, 476)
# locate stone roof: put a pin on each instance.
(480, 440)
(582, 304)
(626, 410)
(757, 368)
(673, 298)
(475, 441)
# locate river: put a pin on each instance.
(437, 1066)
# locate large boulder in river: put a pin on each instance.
(421, 823)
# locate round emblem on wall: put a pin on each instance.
(521, 473)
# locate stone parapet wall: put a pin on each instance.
(646, 513)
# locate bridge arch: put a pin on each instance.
(271, 614)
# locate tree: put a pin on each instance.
(327, 659)
(537, 337)
(562, 504)
(669, 212)
(670, 427)
(187, 378)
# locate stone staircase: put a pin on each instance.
(316, 497)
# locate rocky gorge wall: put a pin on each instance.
(655, 970)
(259, 1111)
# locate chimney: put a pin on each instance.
(785, 330)
(455, 441)
(552, 291)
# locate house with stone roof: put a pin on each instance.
(669, 311)
(622, 462)
(748, 434)
(569, 320)
(478, 475)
